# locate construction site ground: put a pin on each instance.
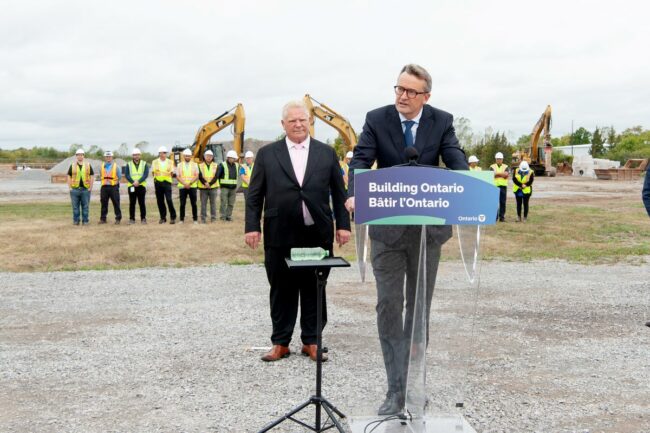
(555, 345)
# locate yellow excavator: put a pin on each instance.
(202, 143)
(538, 158)
(332, 118)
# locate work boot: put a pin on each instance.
(117, 222)
(173, 221)
(162, 221)
(131, 222)
(102, 222)
(143, 221)
(525, 219)
(76, 223)
(518, 219)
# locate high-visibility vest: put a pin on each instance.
(80, 176)
(109, 177)
(477, 168)
(187, 171)
(248, 171)
(226, 173)
(346, 170)
(500, 181)
(208, 174)
(137, 173)
(522, 179)
(162, 170)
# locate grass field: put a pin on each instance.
(41, 237)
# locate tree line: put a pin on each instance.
(632, 143)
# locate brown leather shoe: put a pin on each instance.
(276, 353)
(311, 350)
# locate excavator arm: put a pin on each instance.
(332, 118)
(542, 125)
(234, 115)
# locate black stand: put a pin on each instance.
(320, 402)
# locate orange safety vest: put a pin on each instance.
(110, 178)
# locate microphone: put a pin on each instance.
(412, 155)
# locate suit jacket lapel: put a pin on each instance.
(282, 154)
(425, 128)
(312, 160)
(396, 133)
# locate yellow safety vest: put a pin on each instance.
(208, 175)
(186, 171)
(500, 181)
(110, 177)
(522, 179)
(227, 180)
(80, 176)
(346, 170)
(137, 173)
(477, 168)
(248, 169)
(162, 170)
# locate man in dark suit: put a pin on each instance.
(388, 131)
(292, 182)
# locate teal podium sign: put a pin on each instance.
(425, 196)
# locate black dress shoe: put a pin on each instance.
(393, 404)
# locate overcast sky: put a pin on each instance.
(106, 72)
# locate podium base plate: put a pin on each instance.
(428, 424)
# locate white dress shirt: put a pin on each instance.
(298, 152)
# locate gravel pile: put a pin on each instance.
(177, 350)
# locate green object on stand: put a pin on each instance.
(317, 253)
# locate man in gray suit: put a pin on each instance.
(386, 135)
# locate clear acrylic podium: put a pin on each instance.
(437, 364)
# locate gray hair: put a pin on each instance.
(420, 72)
(294, 104)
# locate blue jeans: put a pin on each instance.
(80, 197)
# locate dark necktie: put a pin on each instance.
(408, 134)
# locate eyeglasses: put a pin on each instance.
(410, 93)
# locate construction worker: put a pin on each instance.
(136, 173)
(187, 174)
(473, 163)
(246, 171)
(522, 187)
(110, 190)
(208, 186)
(227, 175)
(80, 181)
(345, 167)
(163, 171)
(501, 173)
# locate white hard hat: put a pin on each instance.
(472, 158)
(79, 152)
(162, 149)
(209, 152)
(349, 154)
(499, 155)
(136, 151)
(249, 154)
(231, 154)
(523, 166)
(108, 153)
(187, 152)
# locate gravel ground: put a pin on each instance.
(177, 350)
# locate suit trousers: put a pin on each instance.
(524, 199)
(138, 194)
(112, 193)
(395, 267)
(183, 194)
(288, 287)
(164, 194)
